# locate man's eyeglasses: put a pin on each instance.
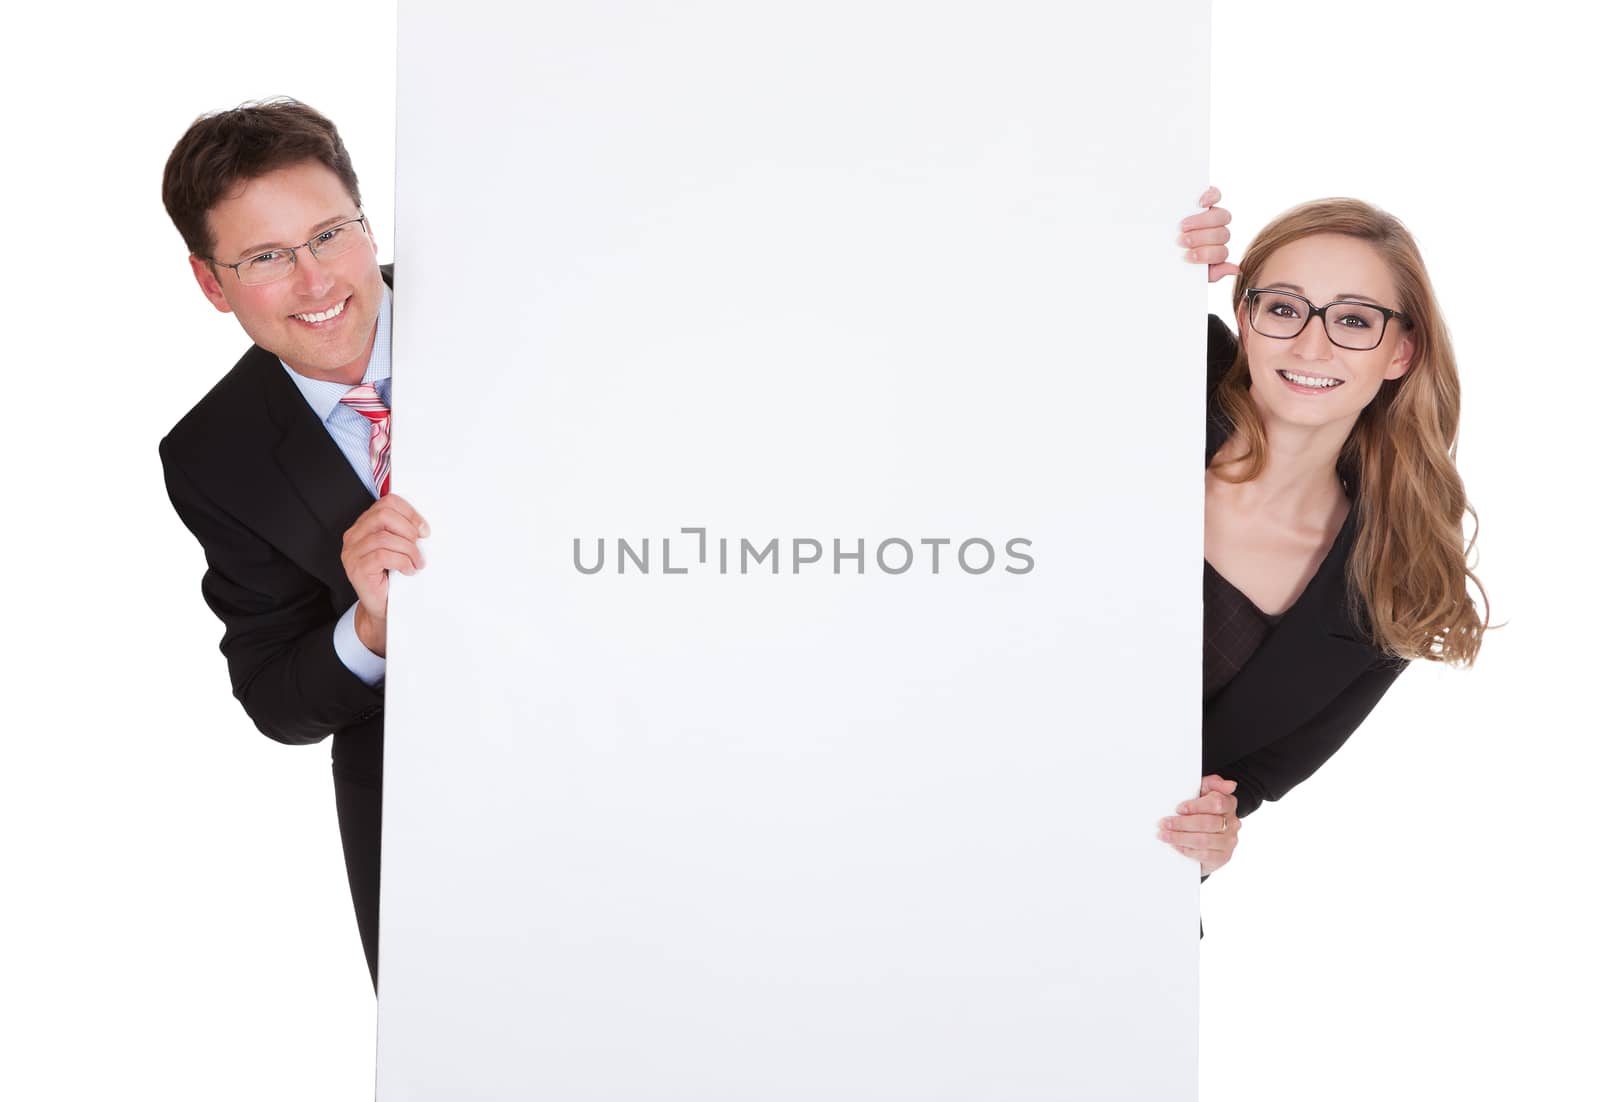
(274, 264)
(1358, 326)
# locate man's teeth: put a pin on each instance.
(1309, 380)
(332, 312)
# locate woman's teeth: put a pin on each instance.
(1310, 380)
(332, 312)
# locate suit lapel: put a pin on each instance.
(309, 459)
(313, 467)
(313, 463)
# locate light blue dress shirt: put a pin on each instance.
(353, 433)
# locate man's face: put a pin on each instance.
(282, 209)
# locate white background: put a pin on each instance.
(1415, 920)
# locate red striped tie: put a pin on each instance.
(365, 401)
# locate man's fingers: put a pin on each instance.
(400, 505)
(370, 523)
(378, 555)
(384, 559)
(395, 505)
(400, 519)
(355, 549)
(395, 513)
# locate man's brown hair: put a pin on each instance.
(225, 149)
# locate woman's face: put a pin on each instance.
(1324, 268)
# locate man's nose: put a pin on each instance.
(312, 278)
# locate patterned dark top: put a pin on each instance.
(1234, 628)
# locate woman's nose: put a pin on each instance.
(1313, 342)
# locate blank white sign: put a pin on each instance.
(853, 336)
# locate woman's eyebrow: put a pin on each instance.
(1342, 296)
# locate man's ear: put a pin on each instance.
(209, 285)
(1402, 359)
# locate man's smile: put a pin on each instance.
(322, 316)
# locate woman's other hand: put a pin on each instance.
(1206, 827)
(1205, 236)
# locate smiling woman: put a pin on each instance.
(1334, 549)
(1379, 438)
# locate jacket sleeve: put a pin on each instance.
(278, 625)
(1270, 772)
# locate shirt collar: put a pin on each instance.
(323, 395)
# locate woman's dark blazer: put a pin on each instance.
(1315, 676)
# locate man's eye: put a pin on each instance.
(328, 235)
(266, 258)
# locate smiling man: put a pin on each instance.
(282, 470)
(319, 318)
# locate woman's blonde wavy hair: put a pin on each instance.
(1408, 571)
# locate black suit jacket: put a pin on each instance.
(254, 475)
(1316, 675)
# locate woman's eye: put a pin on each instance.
(1354, 321)
(1283, 310)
